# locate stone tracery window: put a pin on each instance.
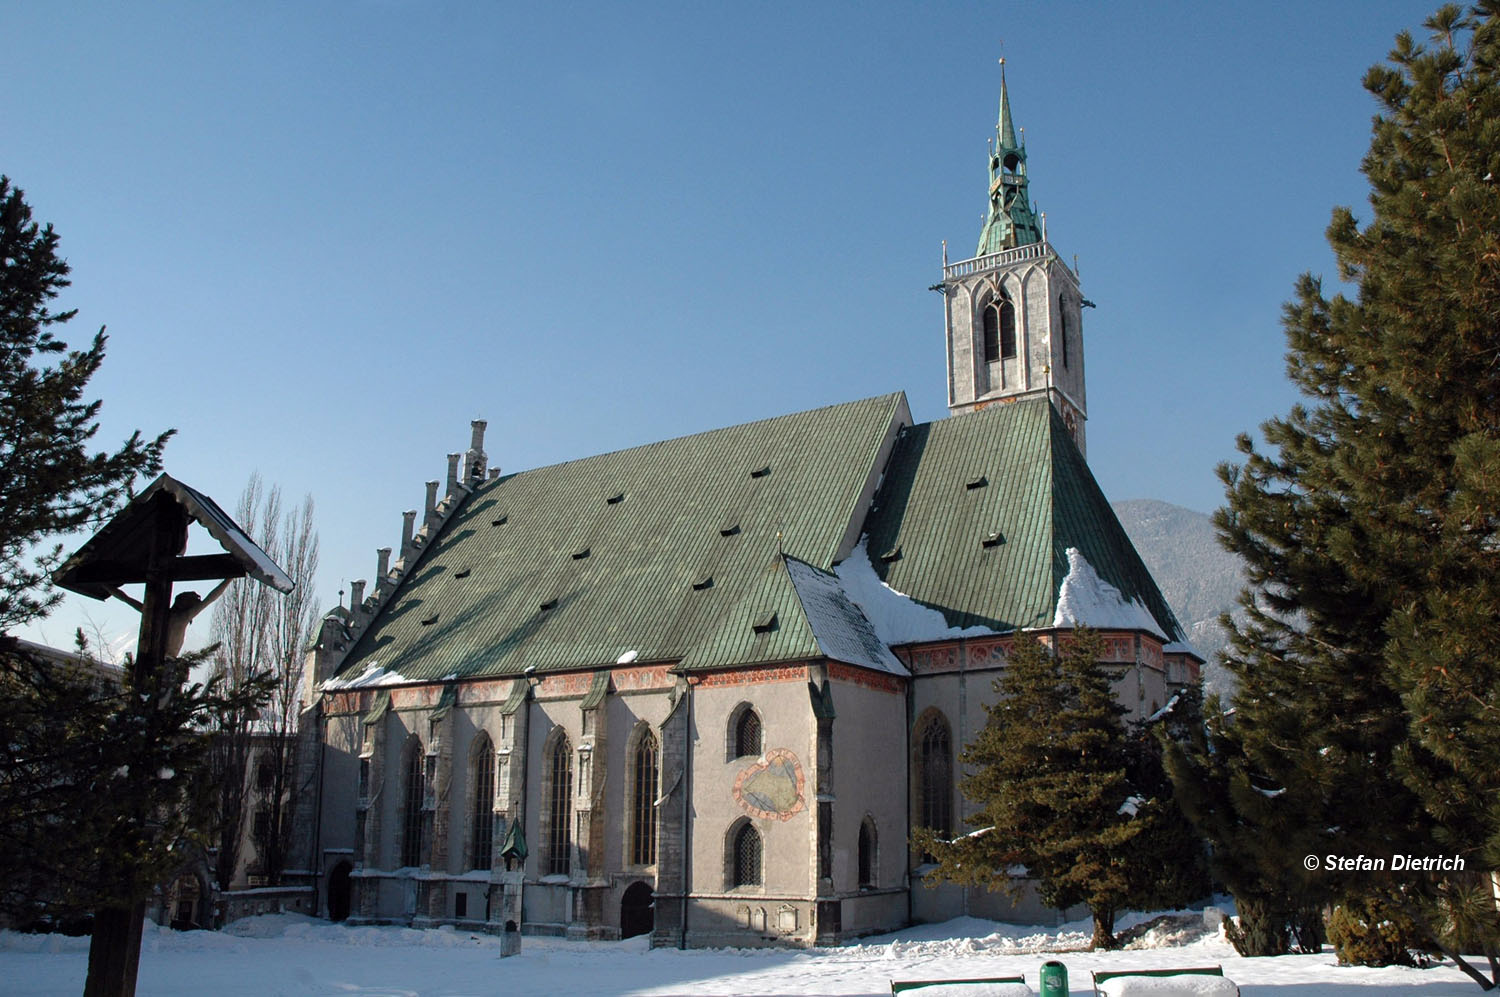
(999, 329)
(559, 805)
(934, 771)
(482, 776)
(412, 817)
(645, 779)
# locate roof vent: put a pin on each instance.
(706, 582)
(500, 521)
(993, 540)
(549, 604)
(461, 574)
(978, 482)
(730, 530)
(616, 499)
(765, 624)
(762, 472)
(579, 555)
(894, 554)
(430, 620)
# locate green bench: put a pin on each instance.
(1194, 985)
(993, 986)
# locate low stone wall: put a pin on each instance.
(235, 904)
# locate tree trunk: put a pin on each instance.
(1261, 928)
(115, 951)
(1104, 930)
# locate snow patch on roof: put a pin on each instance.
(372, 677)
(1085, 599)
(842, 631)
(896, 617)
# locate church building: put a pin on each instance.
(705, 688)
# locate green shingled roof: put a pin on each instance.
(984, 507)
(792, 611)
(643, 550)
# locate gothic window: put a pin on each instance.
(482, 778)
(825, 840)
(744, 855)
(935, 776)
(866, 853)
(744, 732)
(559, 805)
(1062, 308)
(1007, 328)
(262, 830)
(999, 330)
(645, 778)
(411, 811)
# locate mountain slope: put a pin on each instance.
(1199, 578)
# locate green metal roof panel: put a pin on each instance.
(766, 625)
(635, 591)
(940, 524)
(1037, 495)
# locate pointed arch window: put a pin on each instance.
(645, 779)
(744, 733)
(935, 776)
(866, 853)
(999, 330)
(412, 817)
(482, 775)
(1062, 308)
(745, 856)
(559, 805)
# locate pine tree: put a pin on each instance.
(50, 481)
(1258, 833)
(1368, 685)
(1050, 777)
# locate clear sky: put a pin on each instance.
(324, 237)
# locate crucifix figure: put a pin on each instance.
(184, 609)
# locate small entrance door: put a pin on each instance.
(637, 910)
(339, 892)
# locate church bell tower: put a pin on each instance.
(1014, 312)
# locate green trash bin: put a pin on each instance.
(1054, 979)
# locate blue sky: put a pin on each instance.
(324, 237)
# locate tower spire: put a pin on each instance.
(1011, 222)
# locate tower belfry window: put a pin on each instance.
(1062, 308)
(1007, 329)
(999, 330)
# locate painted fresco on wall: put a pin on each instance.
(771, 789)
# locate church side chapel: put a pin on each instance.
(705, 688)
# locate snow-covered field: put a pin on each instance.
(293, 955)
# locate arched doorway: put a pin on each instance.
(339, 889)
(637, 910)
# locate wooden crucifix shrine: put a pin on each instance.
(146, 543)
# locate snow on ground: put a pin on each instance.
(285, 954)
